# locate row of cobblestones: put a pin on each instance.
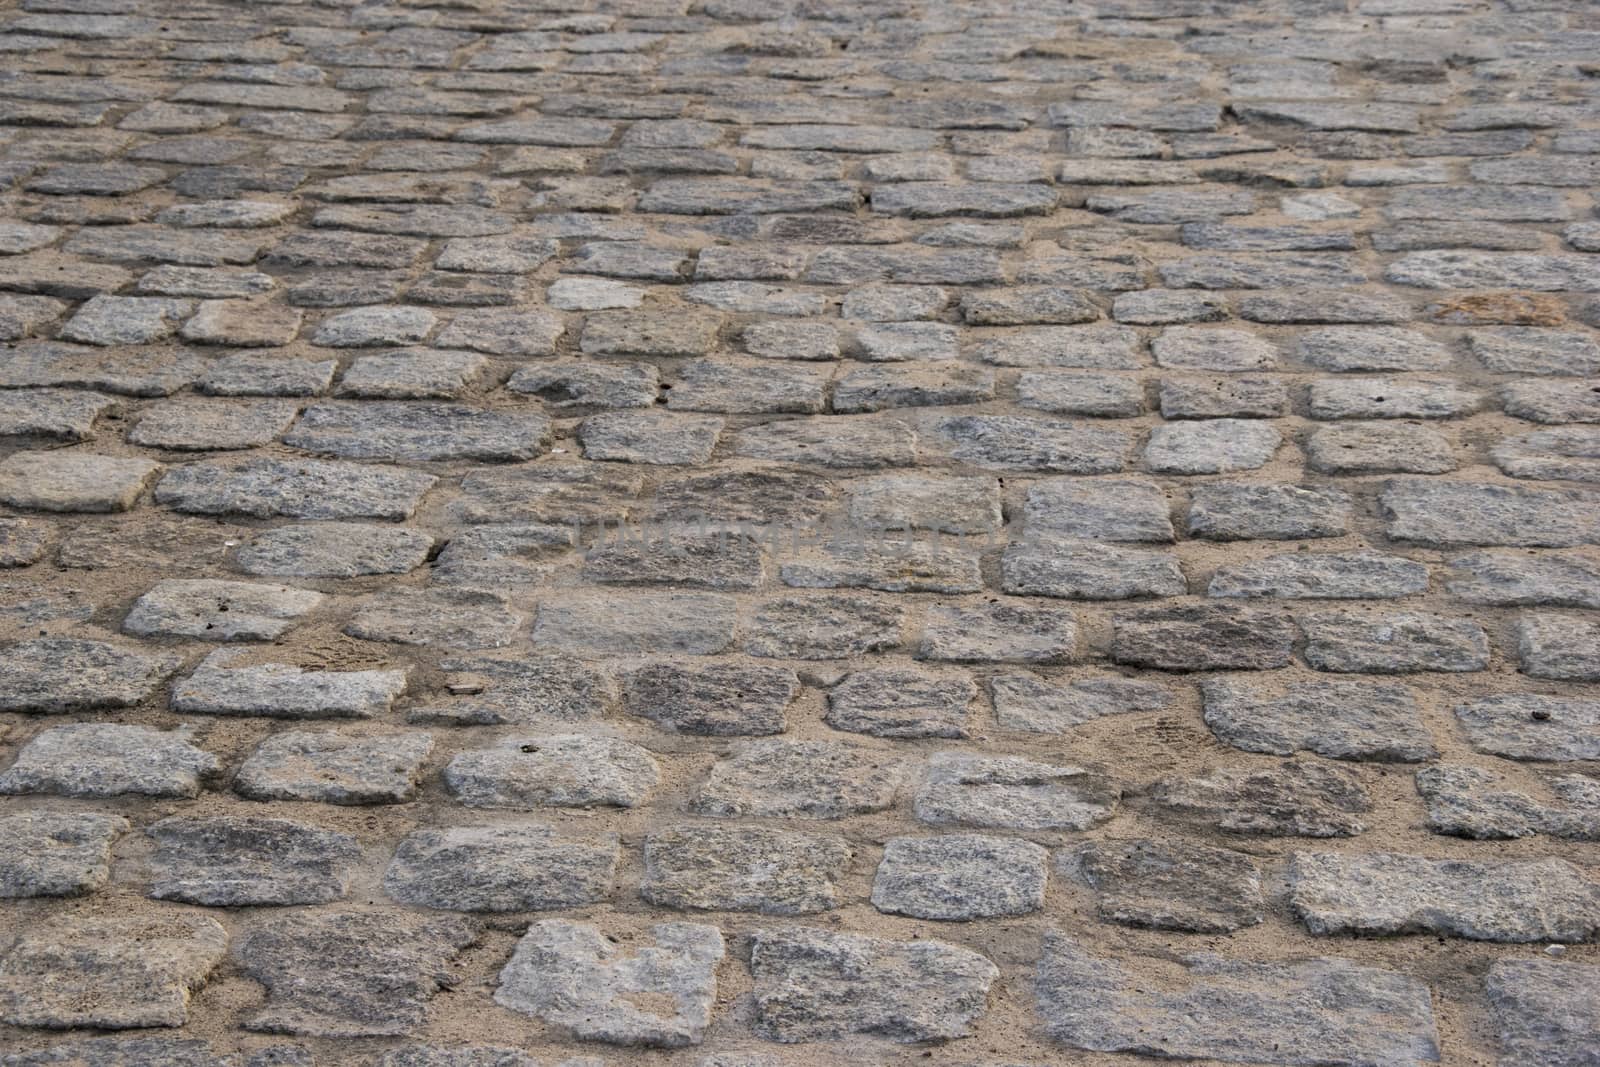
(777, 533)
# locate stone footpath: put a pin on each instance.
(799, 533)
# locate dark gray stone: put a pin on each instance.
(1295, 798)
(1543, 1011)
(57, 674)
(224, 861)
(1169, 886)
(718, 700)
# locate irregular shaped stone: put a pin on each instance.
(1393, 644)
(215, 610)
(88, 759)
(1008, 442)
(577, 387)
(653, 437)
(1083, 570)
(349, 973)
(1321, 575)
(1080, 394)
(1553, 401)
(1340, 720)
(1388, 893)
(717, 700)
(1220, 398)
(369, 326)
(1098, 347)
(814, 984)
(1009, 792)
(418, 432)
(265, 374)
(1559, 646)
(333, 768)
(1569, 453)
(798, 780)
(284, 691)
(901, 702)
(562, 770)
(500, 868)
(572, 976)
(1213, 446)
(1446, 513)
(1532, 727)
(822, 627)
(938, 385)
(687, 623)
(61, 414)
(192, 424)
(524, 690)
(73, 481)
(893, 565)
(1451, 269)
(113, 973)
(1321, 1010)
(1176, 886)
(59, 674)
(1026, 702)
(1391, 398)
(1296, 798)
(334, 550)
(224, 861)
(998, 632)
(1524, 578)
(56, 854)
(628, 333)
(1471, 802)
(448, 618)
(1202, 637)
(830, 441)
(307, 489)
(960, 877)
(1544, 1011)
(715, 868)
(924, 502)
(23, 542)
(126, 320)
(1197, 348)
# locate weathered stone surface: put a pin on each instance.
(56, 674)
(1472, 802)
(214, 610)
(500, 868)
(1244, 397)
(1235, 511)
(866, 441)
(718, 700)
(306, 489)
(1309, 1011)
(1296, 798)
(1084, 570)
(711, 560)
(225, 861)
(813, 984)
(61, 414)
(281, 690)
(572, 976)
(653, 437)
(1211, 446)
(999, 632)
(1009, 442)
(1543, 1010)
(715, 868)
(1215, 349)
(107, 760)
(56, 854)
(1390, 398)
(349, 973)
(449, 618)
(195, 425)
(1175, 886)
(558, 771)
(110, 973)
(334, 550)
(418, 431)
(522, 690)
(1396, 643)
(1321, 575)
(1559, 646)
(1203, 637)
(73, 481)
(1389, 893)
(1341, 720)
(1009, 792)
(1379, 447)
(1465, 513)
(1531, 727)
(960, 877)
(799, 779)
(685, 623)
(901, 702)
(334, 768)
(1523, 578)
(822, 627)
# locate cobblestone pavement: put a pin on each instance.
(794, 533)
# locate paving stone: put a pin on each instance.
(266, 374)
(56, 854)
(561, 771)
(107, 760)
(1296, 798)
(1176, 886)
(1084, 570)
(1559, 646)
(73, 481)
(1552, 401)
(1542, 1010)
(1202, 637)
(1009, 792)
(1389, 893)
(192, 424)
(281, 690)
(230, 862)
(524, 690)
(418, 431)
(375, 326)
(1391, 398)
(654, 438)
(1465, 513)
(242, 323)
(410, 374)
(999, 632)
(901, 702)
(891, 566)
(1212, 348)
(938, 385)
(831, 441)
(111, 973)
(303, 489)
(63, 674)
(500, 868)
(1098, 346)
(1340, 720)
(814, 984)
(215, 610)
(1236, 1011)
(23, 542)
(630, 333)
(640, 623)
(61, 414)
(334, 550)
(1570, 453)
(125, 320)
(1470, 802)
(1007, 442)
(774, 872)
(1080, 394)
(822, 627)
(348, 973)
(737, 388)
(1522, 578)
(463, 1056)
(1221, 398)
(447, 618)
(1212, 446)
(21, 316)
(718, 700)
(658, 995)
(792, 340)
(333, 768)
(799, 780)
(1321, 575)
(960, 877)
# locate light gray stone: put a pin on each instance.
(224, 861)
(500, 868)
(215, 610)
(446, 618)
(1465, 513)
(1202, 637)
(901, 702)
(1169, 886)
(1236, 511)
(305, 489)
(1340, 720)
(61, 674)
(716, 868)
(1211, 446)
(334, 550)
(717, 700)
(1565, 647)
(1543, 1011)
(1295, 798)
(799, 779)
(88, 759)
(281, 690)
(695, 624)
(1527, 726)
(1009, 792)
(73, 481)
(1321, 575)
(333, 768)
(56, 854)
(1394, 643)
(556, 771)
(998, 631)
(960, 877)
(1029, 703)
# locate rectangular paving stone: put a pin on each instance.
(306, 489)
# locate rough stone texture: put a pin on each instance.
(349, 973)
(658, 995)
(1388, 893)
(1545, 1011)
(232, 862)
(813, 984)
(649, 457)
